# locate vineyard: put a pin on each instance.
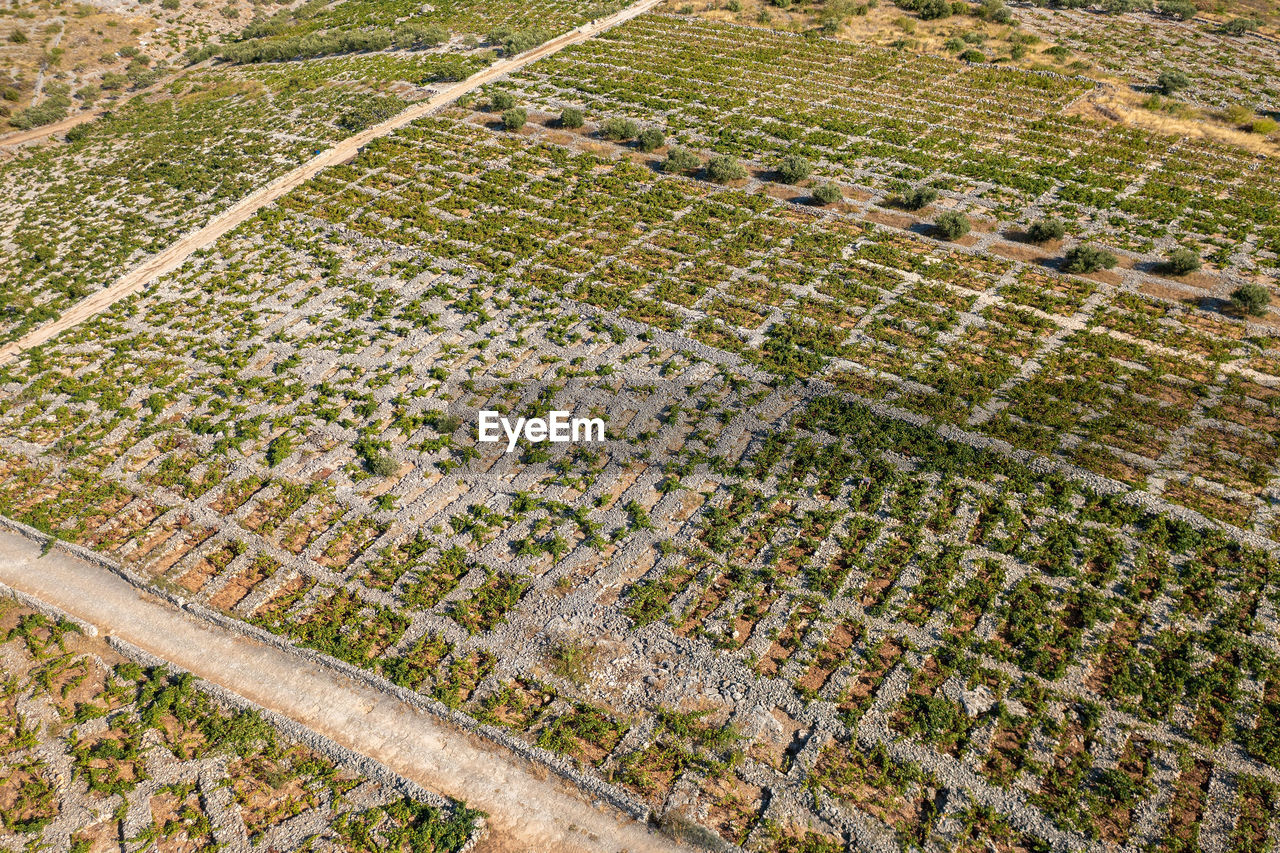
(100, 748)
(918, 525)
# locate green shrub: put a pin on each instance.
(681, 161)
(952, 225)
(827, 194)
(619, 129)
(1264, 126)
(1172, 81)
(502, 100)
(972, 55)
(793, 169)
(650, 139)
(1240, 26)
(918, 198)
(1183, 10)
(1251, 298)
(77, 133)
(724, 168)
(18, 36)
(1181, 262)
(170, 5)
(571, 117)
(1086, 258)
(514, 118)
(1046, 230)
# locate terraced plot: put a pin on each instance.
(994, 141)
(100, 749)
(760, 606)
(1089, 369)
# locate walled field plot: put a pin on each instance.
(992, 140)
(100, 753)
(1166, 398)
(760, 607)
(1223, 70)
(77, 215)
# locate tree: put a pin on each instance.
(502, 100)
(1086, 258)
(650, 139)
(514, 118)
(1172, 81)
(1046, 230)
(1181, 262)
(827, 194)
(918, 198)
(952, 225)
(723, 169)
(681, 161)
(571, 117)
(619, 129)
(793, 169)
(1251, 298)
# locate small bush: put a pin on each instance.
(972, 55)
(80, 131)
(952, 225)
(827, 194)
(1183, 10)
(1172, 81)
(514, 118)
(1251, 298)
(1264, 126)
(1088, 258)
(793, 169)
(723, 169)
(681, 161)
(169, 5)
(1046, 230)
(502, 100)
(619, 129)
(18, 36)
(650, 139)
(1240, 26)
(571, 117)
(1181, 262)
(918, 198)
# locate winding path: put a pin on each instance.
(171, 258)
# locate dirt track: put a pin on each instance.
(528, 809)
(172, 257)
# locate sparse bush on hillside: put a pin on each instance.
(1251, 298)
(650, 139)
(1183, 10)
(952, 225)
(571, 117)
(723, 169)
(793, 169)
(501, 100)
(918, 198)
(514, 118)
(681, 161)
(619, 129)
(827, 194)
(1086, 258)
(1181, 262)
(1046, 230)
(1172, 81)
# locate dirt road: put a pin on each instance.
(171, 258)
(527, 810)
